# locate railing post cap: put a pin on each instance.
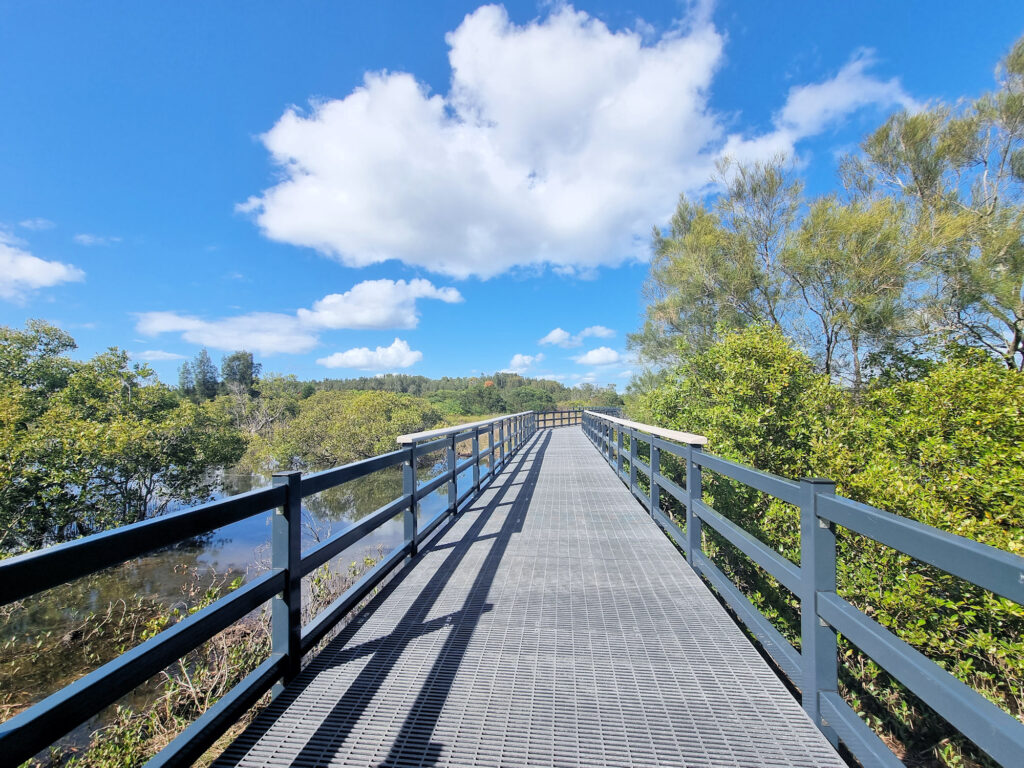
(284, 474)
(818, 481)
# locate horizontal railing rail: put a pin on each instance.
(565, 418)
(824, 614)
(34, 729)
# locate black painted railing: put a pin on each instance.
(814, 669)
(36, 728)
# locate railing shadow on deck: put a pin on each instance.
(25, 734)
(414, 737)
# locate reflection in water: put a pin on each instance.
(42, 642)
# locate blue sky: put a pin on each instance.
(432, 188)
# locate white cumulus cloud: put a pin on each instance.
(557, 336)
(555, 144)
(558, 142)
(376, 304)
(398, 355)
(562, 338)
(599, 356)
(22, 273)
(521, 363)
(371, 304)
(266, 333)
(812, 108)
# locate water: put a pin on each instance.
(177, 577)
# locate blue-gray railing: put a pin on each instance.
(36, 728)
(823, 614)
(565, 418)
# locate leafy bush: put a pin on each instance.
(86, 446)
(337, 427)
(946, 449)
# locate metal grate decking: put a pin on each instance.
(552, 624)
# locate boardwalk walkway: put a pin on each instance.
(552, 624)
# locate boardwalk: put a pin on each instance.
(552, 624)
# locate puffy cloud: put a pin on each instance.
(563, 338)
(267, 333)
(559, 142)
(599, 356)
(557, 336)
(813, 108)
(376, 304)
(21, 272)
(597, 330)
(90, 240)
(521, 363)
(398, 355)
(157, 354)
(37, 224)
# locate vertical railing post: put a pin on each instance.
(453, 483)
(632, 460)
(476, 460)
(491, 446)
(655, 470)
(409, 489)
(618, 451)
(818, 645)
(286, 552)
(694, 490)
(503, 433)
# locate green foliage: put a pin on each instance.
(719, 268)
(106, 445)
(755, 397)
(528, 399)
(480, 399)
(960, 172)
(198, 380)
(240, 373)
(946, 450)
(939, 442)
(479, 395)
(334, 428)
(850, 264)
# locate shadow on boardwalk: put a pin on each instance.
(413, 744)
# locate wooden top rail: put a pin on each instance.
(668, 434)
(418, 437)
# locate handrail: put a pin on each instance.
(814, 669)
(34, 572)
(669, 434)
(27, 733)
(417, 437)
(559, 418)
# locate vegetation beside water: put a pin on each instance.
(874, 336)
(89, 445)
